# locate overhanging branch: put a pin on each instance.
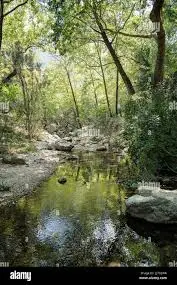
(13, 9)
(7, 79)
(136, 36)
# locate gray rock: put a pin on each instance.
(145, 191)
(96, 139)
(11, 159)
(153, 205)
(72, 157)
(52, 128)
(68, 139)
(51, 146)
(4, 187)
(63, 146)
(101, 148)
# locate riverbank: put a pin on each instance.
(22, 178)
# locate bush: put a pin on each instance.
(151, 130)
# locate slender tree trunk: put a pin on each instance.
(110, 174)
(94, 89)
(74, 99)
(104, 80)
(117, 91)
(27, 106)
(125, 78)
(155, 17)
(1, 21)
(77, 174)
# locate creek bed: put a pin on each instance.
(82, 222)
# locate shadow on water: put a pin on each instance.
(164, 236)
(81, 223)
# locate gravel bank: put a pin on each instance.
(23, 179)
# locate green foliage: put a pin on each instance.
(42, 94)
(151, 130)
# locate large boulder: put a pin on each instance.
(153, 205)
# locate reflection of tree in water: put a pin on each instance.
(90, 229)
(87, 173)
(18, 242)
(85, 246)
(14, 232)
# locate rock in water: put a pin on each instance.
(154, 205)
(62, 180)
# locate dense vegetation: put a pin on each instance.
(106, 63)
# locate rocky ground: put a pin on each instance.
(20, 174)
(18, 180)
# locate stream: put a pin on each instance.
(82, 222)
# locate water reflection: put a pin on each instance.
(80, 223)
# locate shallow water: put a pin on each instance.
(82, 222)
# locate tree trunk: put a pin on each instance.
(77, 174)
(94, 90)
(1, 21)
(115, 58)
(155, 17)
(26, 102)
(104, 80)
(117, 91)
(74, 99)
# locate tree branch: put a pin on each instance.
(124, 23)
(13, 9)
(136, 36)
(85, 23)
(7, 79)
(127, 18)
